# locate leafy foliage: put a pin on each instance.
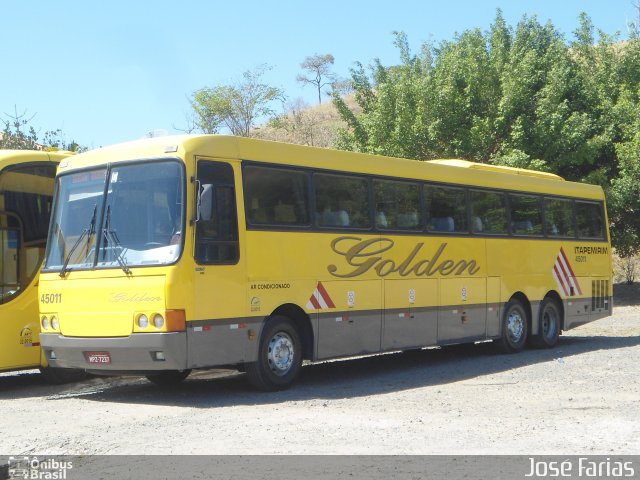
(19, 134)
(520, 96)
(236, 106)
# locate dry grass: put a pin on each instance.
(315, 125)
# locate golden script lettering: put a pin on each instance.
(365, 255)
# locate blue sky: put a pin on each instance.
(107, 72)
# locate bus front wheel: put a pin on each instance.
(279, 356)
(548, 324)
(515, 327)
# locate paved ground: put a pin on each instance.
(580, 398)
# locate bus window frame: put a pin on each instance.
(197, 183)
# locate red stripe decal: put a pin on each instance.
(561, 279)
(314, 302)
(573, 275)
(325, 296)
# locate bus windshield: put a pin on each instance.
(118, 217)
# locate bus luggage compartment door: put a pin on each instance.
(410, 313)
(354, 324)
(463, 311)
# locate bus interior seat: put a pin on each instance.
(335, 219)
(408, 220)
(283, 213)
(442, 224)
(259, 215)
(476, 224)
(381, 220)
(523, 226)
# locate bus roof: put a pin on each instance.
(453, 171)
(15, 181)
(13, 157)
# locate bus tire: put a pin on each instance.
(58, 376)
(279, 356)
(515, 327)
(549, 324)
(168, 377)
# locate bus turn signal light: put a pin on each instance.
(176, 321)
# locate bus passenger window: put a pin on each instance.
(397, 205)
(341, 201)
(526, 215)
(217, 229)
(590, 220)
(558, 214)
(276, 196)
(491, 210)
(446, 209)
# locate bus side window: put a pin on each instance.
(446, 209)
(217, 227)
(276, 196)
(590, 220)
(526, 215)
(491, 210)
(341, 201)
(397, 205)
(559, 217)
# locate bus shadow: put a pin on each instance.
(24, 384)
(354, 378)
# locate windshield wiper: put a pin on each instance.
(111, 237)
(88, 232)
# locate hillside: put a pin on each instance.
(315, 125)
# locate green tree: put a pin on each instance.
(523, 97)
(237, 106)
(394, 104)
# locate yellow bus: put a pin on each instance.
(26, 193)
(188, 252)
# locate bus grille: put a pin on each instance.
(599, 294)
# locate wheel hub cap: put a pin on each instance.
(515, 326)
(280, 354)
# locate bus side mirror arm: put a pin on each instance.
(198, 185)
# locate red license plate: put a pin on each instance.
(103, 358)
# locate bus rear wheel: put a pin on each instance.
(169, 377)
(515, 327)
(549, 324)
(279, 356)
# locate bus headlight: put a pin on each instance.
(143, 321)
(158, 321)
(54, 322)
(45, 323)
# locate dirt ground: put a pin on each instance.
(581, 397)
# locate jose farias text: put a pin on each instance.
(580, 467)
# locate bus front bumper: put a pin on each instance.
(139, 352)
